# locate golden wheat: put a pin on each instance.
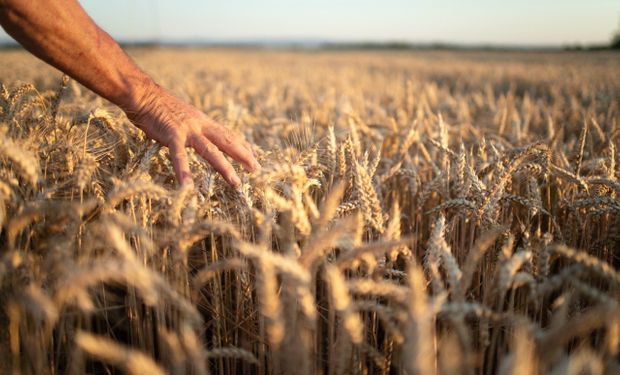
(416, 213)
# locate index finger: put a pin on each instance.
(233, 144)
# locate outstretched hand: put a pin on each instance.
(177, 125)
(62, 34)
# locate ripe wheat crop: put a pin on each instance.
(417, 213)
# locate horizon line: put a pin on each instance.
(325, 43)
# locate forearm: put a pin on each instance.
(63, 35)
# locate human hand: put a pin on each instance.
(177, 125)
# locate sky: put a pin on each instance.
(495, 22)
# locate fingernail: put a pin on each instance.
(187, 182)
(235, 181)
(256, 166)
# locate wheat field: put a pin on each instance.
(416, 213)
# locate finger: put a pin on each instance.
(233, 144)
(248, 147)
(216, 158)
(180, 163)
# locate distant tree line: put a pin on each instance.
(615, 41)
(614, 44)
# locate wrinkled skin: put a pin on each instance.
(177, 125)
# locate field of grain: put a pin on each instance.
(417, 213)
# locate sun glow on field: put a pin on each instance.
(417, 212)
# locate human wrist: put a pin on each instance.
(138, 92)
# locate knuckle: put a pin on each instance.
(229, 136)
(209, 148)
(176, 140)
(205, 148)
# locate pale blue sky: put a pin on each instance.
(506, 22)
